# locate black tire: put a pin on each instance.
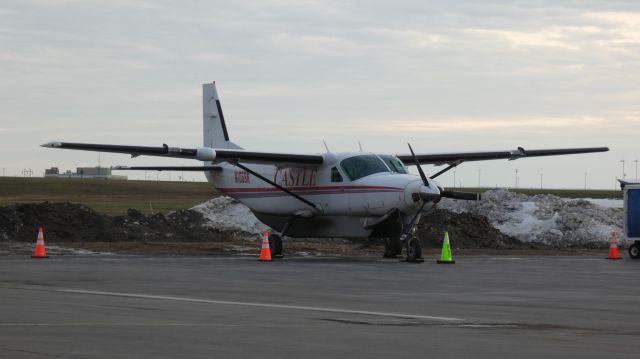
(275, 245)
(392, 247)
(634, 251)
(414, 251)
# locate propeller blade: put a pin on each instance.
(466, 196)
(415, 159)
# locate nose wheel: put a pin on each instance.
(414, 251)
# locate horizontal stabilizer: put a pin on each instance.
(168, 168)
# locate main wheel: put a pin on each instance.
(275, 245)
(634, 250)
(392, 247)
(414, 250)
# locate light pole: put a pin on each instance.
(516, 178)
(585, 181)
(478, 178)
(636, 161)
(542, 174)
(623, 174)
(454, 177)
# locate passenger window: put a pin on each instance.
(335, 175)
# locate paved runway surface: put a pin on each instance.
(236, 307)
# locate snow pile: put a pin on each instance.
(544, 218)
(226, 212)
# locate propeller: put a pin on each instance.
(430, 193)
(466, 196)
(415, 159)
(427, 193)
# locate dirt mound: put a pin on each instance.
(465, 231)
(71, 222)
(68, 222)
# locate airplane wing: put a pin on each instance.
(459, 157)
(202, 154)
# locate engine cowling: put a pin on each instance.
(205, 154)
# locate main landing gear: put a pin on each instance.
(275, 245)
(275, 240)
(392, 247)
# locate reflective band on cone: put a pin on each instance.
(265, 251)
(40, 251)
(445, 257)
(613, 248)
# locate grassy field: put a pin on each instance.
(115, 197)
(106, 196)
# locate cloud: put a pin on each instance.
(408, 37)
(556, 37)
(316, 44)
(487, 124)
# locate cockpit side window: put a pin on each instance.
(360, 166)
(335, 175)
(395, 165)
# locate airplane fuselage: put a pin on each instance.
(347, 195)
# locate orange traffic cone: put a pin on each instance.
(613, 248)
(40, 250)
(265, 252)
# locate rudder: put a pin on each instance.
(214, 128)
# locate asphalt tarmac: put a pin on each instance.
(236, 307)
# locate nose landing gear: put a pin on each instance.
(414, 250)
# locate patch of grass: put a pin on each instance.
(111, 197)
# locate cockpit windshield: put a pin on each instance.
(394, 164)
(363, 165)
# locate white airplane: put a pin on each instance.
(342, 194)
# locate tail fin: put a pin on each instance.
(214, 129)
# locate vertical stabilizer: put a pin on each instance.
(214, 128)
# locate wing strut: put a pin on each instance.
(298, 197)
(452, 165)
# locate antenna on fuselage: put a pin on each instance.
(325, 146)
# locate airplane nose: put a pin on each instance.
(417, 191)
(430, 193)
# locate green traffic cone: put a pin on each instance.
(445, 257)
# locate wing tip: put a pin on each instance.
(52, 144)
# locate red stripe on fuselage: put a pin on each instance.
(306, 189)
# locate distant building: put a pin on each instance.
(51, 171)
(84, 173)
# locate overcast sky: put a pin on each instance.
(443, 75)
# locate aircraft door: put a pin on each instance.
(335, 202)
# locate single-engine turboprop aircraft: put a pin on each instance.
(342, 194)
